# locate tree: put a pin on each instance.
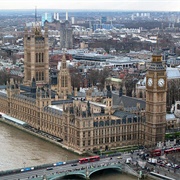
(102, 77)
(4, 77)
(14, 59)
(173, 92)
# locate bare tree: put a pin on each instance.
(4, 77)
(173, 92)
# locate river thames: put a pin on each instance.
(20, 149)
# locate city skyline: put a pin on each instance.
(130, 5)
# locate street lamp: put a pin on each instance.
(65, 159)
(24, 164)
(100, 152)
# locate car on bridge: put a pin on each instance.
(49, 168)
(119, 157)
(73, 164)
(59, 163)
(27, 169)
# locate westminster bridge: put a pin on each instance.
(67, 169)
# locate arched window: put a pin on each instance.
(101, 123)
(178, 106)
(112, 122)
(37, 57)
(140, 94)
(135, 119)
(42, 57)
(118, 121)
(95, 124)
(107, 123)
(124, 121)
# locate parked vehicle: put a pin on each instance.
(128, 160)
(73, 164)
(156, 152)
(152, 161)
(49, 168)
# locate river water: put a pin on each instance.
(19, 149)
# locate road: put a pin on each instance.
(103, 162)
(168, 171)
(63, 168)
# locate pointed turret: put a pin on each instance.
(109, 100)
(33, 86)
(124, 88)
(12, 88)
(64, 80)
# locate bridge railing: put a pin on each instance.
(31, 168)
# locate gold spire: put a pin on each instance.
(157, 57)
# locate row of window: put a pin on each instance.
(122, 129)
(39, 57)
(51, 127)
(23, 109)
(105, 131)
(39, 76)
(116, 122)
(27, 110)
(111, 139)
(159, 98)
(64, 81)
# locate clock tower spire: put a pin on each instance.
(156, 88)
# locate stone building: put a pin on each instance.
(64, 80)
(36, 56)
(156, 90)
(84, 124)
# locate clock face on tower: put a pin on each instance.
(150, 82)
(161, 82)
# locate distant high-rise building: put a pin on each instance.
(132, 17)
(73, 20)
(66, 40)
(46, 17)
(56, 16)
(103, 19)
(66, 16)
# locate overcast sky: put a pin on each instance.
(139, 5)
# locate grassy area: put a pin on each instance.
(171, 136)
(123, 149)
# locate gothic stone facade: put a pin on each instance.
(82, 125)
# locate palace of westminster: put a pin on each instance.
(84, 124)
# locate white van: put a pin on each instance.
(128, 160)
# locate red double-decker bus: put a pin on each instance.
(89, 159)
(169, 151)
(172, 150)
(156, 152)
(177, 149)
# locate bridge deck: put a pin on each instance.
(84, 172)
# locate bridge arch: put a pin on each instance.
(103, 168)
(60, 176)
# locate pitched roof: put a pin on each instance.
(123, 114)
(128, 102)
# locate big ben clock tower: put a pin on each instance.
(156, 87)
